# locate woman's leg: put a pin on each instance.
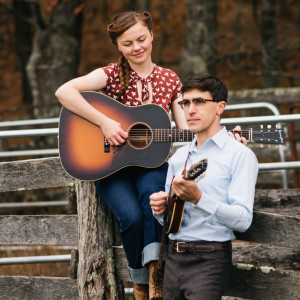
(149, 181)
(120, 195)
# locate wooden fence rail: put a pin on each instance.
(265, 258)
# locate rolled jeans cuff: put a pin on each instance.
(151, 253)
(139, 276)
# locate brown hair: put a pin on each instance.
(120, 24)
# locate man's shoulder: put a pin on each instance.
(236, 147)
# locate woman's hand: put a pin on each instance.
(113, 132)
(237, 136)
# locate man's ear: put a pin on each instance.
(221, 107)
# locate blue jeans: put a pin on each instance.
(126, 193)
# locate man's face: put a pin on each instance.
(202, 117)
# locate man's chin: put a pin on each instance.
(194, 129)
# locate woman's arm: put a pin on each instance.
(69, 96)
(178, 114)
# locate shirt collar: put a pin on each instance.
(219, 139)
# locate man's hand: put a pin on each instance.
(158, 202)
(186, 190)
(237, 136)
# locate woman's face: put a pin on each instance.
(136, 44)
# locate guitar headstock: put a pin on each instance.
(268, 135)
(196, 170)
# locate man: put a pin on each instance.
(199, 256)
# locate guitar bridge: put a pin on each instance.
(106, 146)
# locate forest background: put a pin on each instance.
(248, 44)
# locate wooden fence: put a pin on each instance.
(265, 265)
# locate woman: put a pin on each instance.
(135, 80)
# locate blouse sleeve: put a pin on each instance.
(111, 71)
(177, 87)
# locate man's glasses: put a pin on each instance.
(185, 104)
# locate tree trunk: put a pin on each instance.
(269, 44)
(55, 52)
(96, 270)
(200, 49)
(23, 48)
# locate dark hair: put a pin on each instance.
(207, 83)
(120, 24)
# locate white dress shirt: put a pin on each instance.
(228, 187)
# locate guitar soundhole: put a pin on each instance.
(140, 135)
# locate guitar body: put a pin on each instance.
(83, 149)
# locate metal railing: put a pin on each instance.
(35, 259)
(225, 121)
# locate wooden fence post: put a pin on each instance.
(96, 270)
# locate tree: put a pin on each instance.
(55, 49)
(269, 44)
(200, 51)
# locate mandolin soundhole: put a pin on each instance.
(140, 135)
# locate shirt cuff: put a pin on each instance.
(207, 204)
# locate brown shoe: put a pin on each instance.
(155, 281)
(141, 291)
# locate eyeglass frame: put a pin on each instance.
(180, 103)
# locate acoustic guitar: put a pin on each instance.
(175, 206)
(85, 153)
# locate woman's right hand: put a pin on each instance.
(113, 132)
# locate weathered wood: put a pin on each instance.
(277, 198)
(74, 263)
(273, 95)
(37, 230)
(32, 174)
(96, 267)
(266, 255)
(272, 228)
(254, 255)
(267, 227)
(38, 288)
(247, 281)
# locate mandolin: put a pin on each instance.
(85, 153)
(175, 206)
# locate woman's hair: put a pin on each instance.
(120, 24)
(207, 83)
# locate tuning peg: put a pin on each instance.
(261, 126)
(261, 145)
(269, 126)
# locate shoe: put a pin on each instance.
(155, 281)
(141, 291)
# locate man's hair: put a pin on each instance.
(207, 83)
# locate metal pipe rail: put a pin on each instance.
(34, 204)
(35, 259)
(225, 121)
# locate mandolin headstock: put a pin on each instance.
(196, 170)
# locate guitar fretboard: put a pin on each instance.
(184, 135)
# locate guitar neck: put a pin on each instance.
(184, 135)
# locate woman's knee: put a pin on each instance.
(134, 221)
